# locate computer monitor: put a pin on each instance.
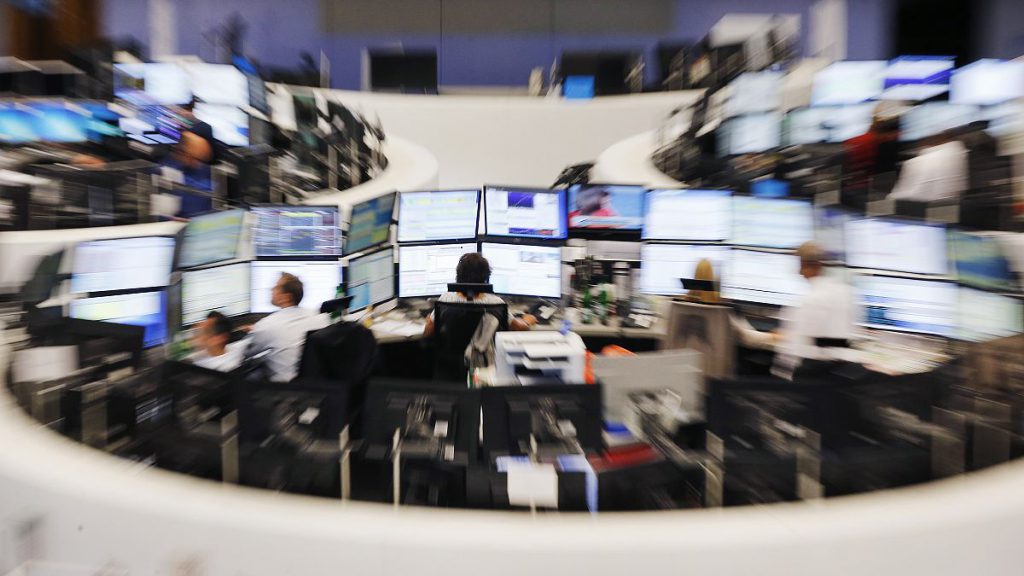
(689, 215)
(830, 231)
(771, 222)
(916, 78)
(754, 93)
(16, 125)
(371, 279)
(984, 316)
(147, 309)
(763, 278)
(557, 416)
(230, 124)
(931, 118)
(370, 223)
(908, 305)
(606, 207)
(987, 82)
(223, 289)
(55, 122)
(978, 260)
(524, 212)
(320, 280)
(163, 84)
(827, 124)
(426, 270)
(306, 231)
(523, 270)
(885, 244)
(663, 265)
(121, 264)
(849, 82)
(750, 134)
(221, 84)
(438, 216)
(211, 238)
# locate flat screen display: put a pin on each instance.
(916, 78)
(147, 309)
(663, 265)
(320, 282)
(688, 215)
(427, 270)
(525, 213)
(211, 238)
(163, 84)
(978, 260)
(827, 124)
(771, 222)
(223, 289)
(882, 244)
(908, 305)
(606, 207)
(522, 270)
(438, 216)
(371, 279)
(763, 278)
(296, 231)
(984, 316)
(122, 264)
(370, 223)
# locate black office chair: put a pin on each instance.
(454, 325)
(344, 353)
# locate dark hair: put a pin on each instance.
(292, 286)
(473, 268)
(220, 324)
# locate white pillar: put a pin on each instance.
(828, 29)
(163, 29)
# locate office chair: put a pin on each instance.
(454, 325)
(344, 353)
(707, 329)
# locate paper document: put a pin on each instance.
(532, 483)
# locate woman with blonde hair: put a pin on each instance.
(747, 334)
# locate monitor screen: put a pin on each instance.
(224, 289)
(830, 231)
(521, 270)
(693, 215)
(606, 207)
(54, 122)
(987, 82)
(931, 118)
(427, 270)
(754, 93)
(978, 260)
(16, 124)
(524, 213)
(763, 278)
(370, 223)
(750, 134)
(229, 123)
(771, 222)
(221, 84)
(881, 244)
(371, 279)
(827, 124)
(320, 282)
(850, 82)
(984, 316)
(908, 305)
(663, 265)
(916, 78)
(296, 231)
(437, 216)
(162, 84)
(148, 309)
(211, 238)
(122, 264)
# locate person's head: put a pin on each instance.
(193, 150)
(704, 271)
(287, 291)
(812, 260)
(590, 200)
(473, 268)
(214, 333)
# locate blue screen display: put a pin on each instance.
(55, 123)
(147, 309)
(370, 223)
(525, 213)
(578, 87)
(606, 207)
(16, 125)
(979, 261)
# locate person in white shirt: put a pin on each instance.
(827, 311)
(473, 268)
(214, 349)
(938, 172)
(283, 332)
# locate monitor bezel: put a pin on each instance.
(246, 265)
(729, 193)
(456, 240)
(255, 226)
(480, 248)
(346, 251)
(394, 276)
(626, 234)
(174, 254)
(563, 197)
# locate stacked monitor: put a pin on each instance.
(371, 279)
(688, 215)
(434, 230)
(524, 270)
(538, 214)
(896, 246)
(320, 281)
(426, 270)
(771, 222)
(297, 231)
(211, 238)
(602, 209)
(663, 265)
(370, 224)
(908, 304)
(917, 78)
(224, 289)
(147, 309)
(767, 278)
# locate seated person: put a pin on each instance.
(473, 268)
(212, 341)
(747, 335)
(283, 332)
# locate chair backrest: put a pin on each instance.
(454, 326)
(707, 329)
(344, 353)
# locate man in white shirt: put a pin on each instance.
(283, 333)
(938, 172)
(827, 311)
(212, 339)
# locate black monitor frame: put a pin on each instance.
(181, 237)
(605, 233)
(487, 236)
(346, 248)
(459, 240)
(480, 247)
(254, 211)
(394, 274)
(174, 251)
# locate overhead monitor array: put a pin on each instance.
(301, 231)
